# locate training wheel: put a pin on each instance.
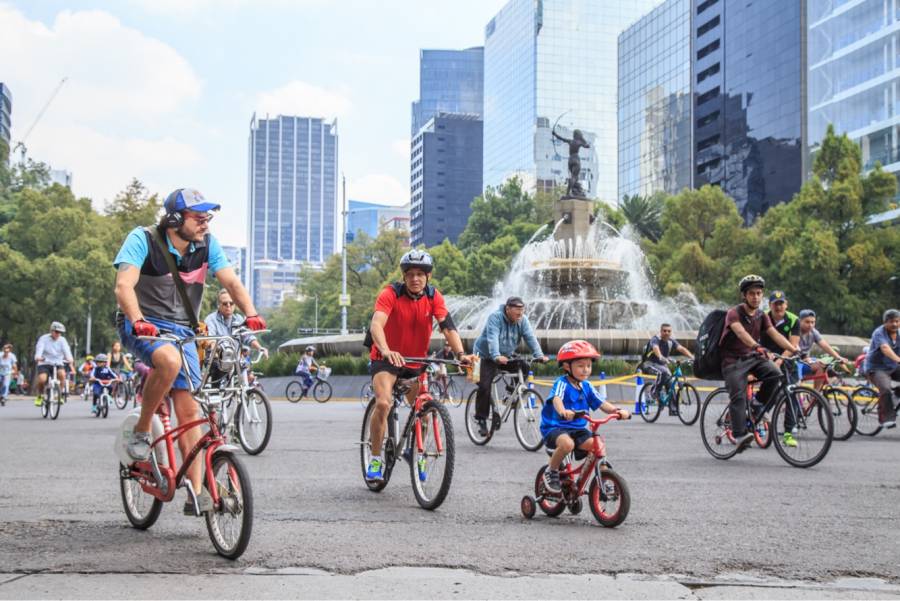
(575, 507)
(528, 506)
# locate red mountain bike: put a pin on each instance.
(146, 485)
(606, 490)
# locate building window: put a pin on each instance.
(707, 142)
(705, 5)
(707, 96)
(708, 119)
(708, 72)
(708, 26)
(708, 49)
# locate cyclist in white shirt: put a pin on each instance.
(8, 370)
(52, 350)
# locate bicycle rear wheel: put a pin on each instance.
(551, 505)
(472, 425)
(121, 397)
(813, 429)
(141, 509)
(45, 405)
(610, 498)
(715, 425)
(527, 420)
(687, 399)
(432, 471)
(866, 400)
(293, 391)
(387, 448)
(649, 405)
(454, 393)
(843, 410)
(254, 422)
(230, 523)
(322, 391)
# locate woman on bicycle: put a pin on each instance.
(572, 392)
(305, 367)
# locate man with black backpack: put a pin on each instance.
(742, 355)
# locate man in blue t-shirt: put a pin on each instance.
(149, 301)
(883, 365)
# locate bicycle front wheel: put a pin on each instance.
(649, 405)
(141, 509)
(472, 428)
(687, 400)
(432, 471)
(322, 391)
(366, 394)
(866, 400)
(805, 415)
(843, 412)
(254, 422)
(230, 523)
(387, 448)
(454, 393)
(715, 425)
(610, 498)
(121, 396)
(54, 404)
(104, 408)
(527, 420)
(294, 391)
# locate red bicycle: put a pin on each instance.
(146, 485)
(426, 441)
(606, 490)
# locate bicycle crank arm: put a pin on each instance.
(161, 482)
(186, 483)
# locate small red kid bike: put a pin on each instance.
(606, 490)
(146, 485)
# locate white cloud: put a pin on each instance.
(301, 98)
(401, 148)
(378, 187)
(115, 118)
(180, 8)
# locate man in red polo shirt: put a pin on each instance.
(401, 327)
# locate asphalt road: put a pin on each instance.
(696, 523)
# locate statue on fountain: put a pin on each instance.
(574, 189)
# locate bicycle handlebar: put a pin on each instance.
(597, 422)
(433, 360)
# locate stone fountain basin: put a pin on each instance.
(579, 277)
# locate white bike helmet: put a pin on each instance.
(57, 327)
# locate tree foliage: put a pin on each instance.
(644, 213)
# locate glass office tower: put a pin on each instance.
(5, 113)
(749, 85)
(292, 202)
(854, 76)
(655, 102)
(554, 62)
(450, 81)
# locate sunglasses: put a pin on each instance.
(227, 303)
(199, 217)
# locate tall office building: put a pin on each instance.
(5, 113)
(446, 177)
(450, 81)
(237, 256)
(293, 202)
(749, 86)
(372, 218)
(554, 62)
(655, 102)
(854, 76)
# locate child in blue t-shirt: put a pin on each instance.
(571, 392)
(101, 371)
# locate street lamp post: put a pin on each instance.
(316, 326)
(344, 299)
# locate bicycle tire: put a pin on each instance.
(649, 406)
(435, 390)
(387, 449)
(293, 391)
(236, 499)
(322, 391)
(54, 404)
(366, 393)
(121, 398)
(439, 421)
(551, 506)
(687, 401)
(866, 400)
(527, 420)
(105, 408)
(131, 491)
(262, 407)
(843, 410)
(600, 492)
(45, 406)
(816, 438)
(454, 393)
(715, 425)
(472, 425)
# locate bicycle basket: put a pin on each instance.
(324, 372)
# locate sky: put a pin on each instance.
(164, 90)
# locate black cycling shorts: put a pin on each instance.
(403, 373)
(48, 369)
(579, 435)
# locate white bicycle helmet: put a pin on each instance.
(57, 327)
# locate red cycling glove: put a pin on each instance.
(144, 328)
(256, 323)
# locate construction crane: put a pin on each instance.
(20, 145)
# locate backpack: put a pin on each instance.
(399, 289)
(707, 359)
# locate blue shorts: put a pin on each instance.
(805, 369)
(143, 349)
(579, 435)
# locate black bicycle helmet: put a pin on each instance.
(417, 258)
(751, 281)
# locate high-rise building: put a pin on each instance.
(446, 176)
(237, 256)
(749, 87)
(5, 113)
(450, 81)
(292, 204)
(655, 102)
(373, 218)
(553, 63)
(61, 177)
(854, 76)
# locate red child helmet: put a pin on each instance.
(576, 349)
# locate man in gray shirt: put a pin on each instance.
(222, 321)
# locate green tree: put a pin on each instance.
(644, 213)
(495, 210)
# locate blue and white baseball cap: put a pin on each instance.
(190, 199)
